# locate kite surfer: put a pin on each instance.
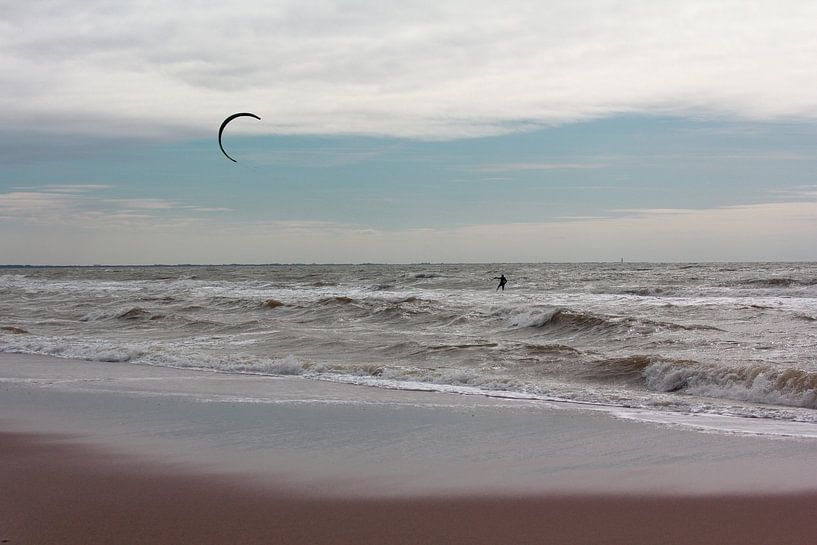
(502, 282)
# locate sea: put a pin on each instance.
(721, 339)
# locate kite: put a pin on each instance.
(224, 124)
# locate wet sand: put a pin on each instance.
(57, 492)
(118, 453)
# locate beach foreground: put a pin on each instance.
(117, 453)
(62, 493)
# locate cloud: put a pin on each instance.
(146, 204)
(412, 69)
(766, 231)
(516, 167)
(777, 231)
(88, 206)
(209, 209)
(67, 188)
(24, 203)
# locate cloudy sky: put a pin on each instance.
(549, 130)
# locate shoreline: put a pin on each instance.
(364, 439)
(99, 453)
(58, 491)
(701, 422)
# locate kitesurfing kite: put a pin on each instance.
(224, 124)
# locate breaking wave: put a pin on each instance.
(780, 282)
(556, 318)
(567, 320)
(755, 383)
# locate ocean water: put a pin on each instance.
(735, 339)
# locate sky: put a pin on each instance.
(412, 131)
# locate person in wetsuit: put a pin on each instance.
(502, 282)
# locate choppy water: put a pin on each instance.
(732, 339)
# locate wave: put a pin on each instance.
(558, 320)
(765, 384)
(578, 321)
(779, 282)
(86, 349)
(652, 291)
(453, 347)
(561, 319)
(131, 313)
(372, 309)
(550, 349)
(14, 330)
(289, 365)
(138, 315)
(338, 299)
(362, 306)
(755, 383)
(693, 287)
(161, 299)
(678, 327)
(381, 287)
(162, 354)
(628, 369)
(11, 280)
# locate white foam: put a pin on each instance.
(722, 423)
(742, 384)
(521, 318)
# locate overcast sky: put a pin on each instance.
(408, 131)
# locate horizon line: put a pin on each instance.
(315, 263)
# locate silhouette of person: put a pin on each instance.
(502, 282)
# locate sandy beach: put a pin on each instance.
(62, 493)
(116, 453)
